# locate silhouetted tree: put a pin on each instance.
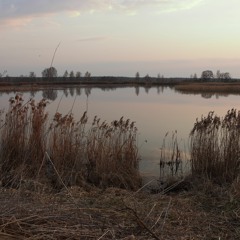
(223, 76)
(32, 75)
(49, 72)
(71, 75)
(218, 74)
(78, 74)
(207, 75)
(193, 76)
(65, 75)
(147, 79)
(87, 75)
(137, 76)
(4, 73)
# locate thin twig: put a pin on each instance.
(154, 205)
(166, 213)
(106, 234)
(171, 187)
(54, 54)
(157, 220)
(141, 223)
(59, 103)
(144, 186)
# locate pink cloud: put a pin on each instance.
(15, 10)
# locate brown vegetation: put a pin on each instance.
(87, 163)
(66, 152)
(209, 87)
(215, 147)
(206, 212)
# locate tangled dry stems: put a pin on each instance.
(207, 212)
(215, 147)
(101, 154)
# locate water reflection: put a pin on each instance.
(50, 94)
(207, 94)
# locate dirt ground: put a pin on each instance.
(207, 212)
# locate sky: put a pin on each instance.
(173, 38)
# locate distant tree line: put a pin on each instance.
(208, 75)
(52, 73)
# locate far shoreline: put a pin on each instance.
(184, 85)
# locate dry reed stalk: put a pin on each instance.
(171, 159)
(215, 146)
(112, 153)
(102, 154)
(21, 139)
(66, 149)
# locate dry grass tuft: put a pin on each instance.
(22, 140)
(65, 152)
(215, 147)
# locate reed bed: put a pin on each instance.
(64, 152)
(209, 87)
(215, 147)
(22, 140)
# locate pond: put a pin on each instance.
(156, 111)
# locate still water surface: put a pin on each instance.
(156, 111)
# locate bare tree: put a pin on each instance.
(207, 75)
(71, 75)
(137, 76)
(65, 75)
(87, 75)
(49, 72)
(218, 74)
(223, 76)
(78, 74)
(32, 75)
(4, 73)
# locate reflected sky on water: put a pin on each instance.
(156, 111)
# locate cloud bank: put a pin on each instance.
(12, 10)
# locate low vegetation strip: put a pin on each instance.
(208, 87)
